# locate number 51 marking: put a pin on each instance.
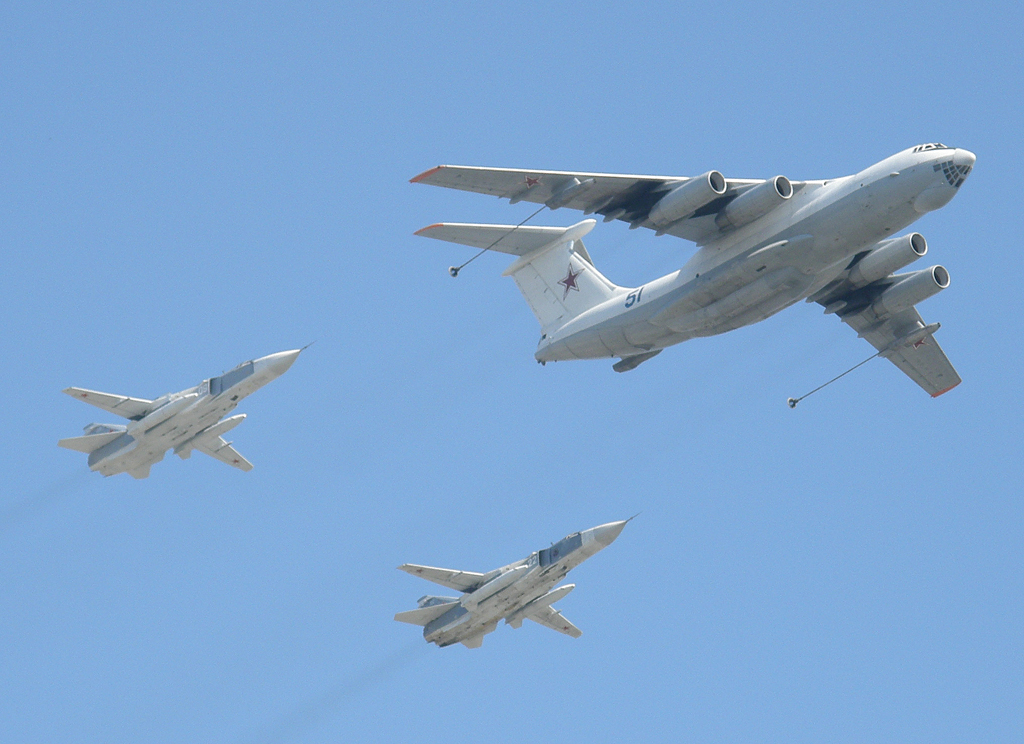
(633, 298)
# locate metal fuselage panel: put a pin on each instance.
(137, 449)
(461, 623)
(834, 220)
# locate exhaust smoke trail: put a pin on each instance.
(16, 513)
(305, 719)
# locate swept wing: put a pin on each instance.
(515, 240)
(900, 336)
(218, 449)
(463, 581)
(120, 405)
(923, 360)
(549, 617)
(624, 197)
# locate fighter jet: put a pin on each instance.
(188, 420)
(519, 591)
(763, 245)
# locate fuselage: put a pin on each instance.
(180, 418)
(748, 274)
(534, 577)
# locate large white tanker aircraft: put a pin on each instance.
(763, 245)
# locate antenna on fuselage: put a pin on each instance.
(914, 338)
(454, 270)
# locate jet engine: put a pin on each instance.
(755, 202)
(911, 289)
(887, 257)
(687, 198)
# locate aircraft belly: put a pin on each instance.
(588, 344)
(719, 316)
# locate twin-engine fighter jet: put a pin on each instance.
(187, 421)
(763, 245)
(518, 591)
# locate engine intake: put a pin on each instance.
(687, 198)
(887, 257)
(755, 202)
(911, 289)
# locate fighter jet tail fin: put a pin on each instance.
(554, 271)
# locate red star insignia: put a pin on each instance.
(236, 461)
(531, 182)
(570, 281)
(919, 343)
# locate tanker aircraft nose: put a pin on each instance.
(963, 157)
(277, 364)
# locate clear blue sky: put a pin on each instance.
(183, 189)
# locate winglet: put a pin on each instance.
(424, 174)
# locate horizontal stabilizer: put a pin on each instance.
(424, 615)
(517, 241)
(549, 617)
(119, 405)
(218, 449)
(462, 581)
(90, 442)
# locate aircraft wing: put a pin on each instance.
(922, 360)
(218, 449)
(515, 240)
(615, 196)
(120, 405)
(463, 581)
(549, 617)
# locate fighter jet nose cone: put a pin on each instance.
(279, 363)
(606, 533)
(963, 157)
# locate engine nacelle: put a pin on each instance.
(754, 203)
(887, 257)
(687, 198)
(911, 289)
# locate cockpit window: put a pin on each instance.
(931, 146)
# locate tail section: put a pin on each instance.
(554, 271)
(429, 609)
(96, 435)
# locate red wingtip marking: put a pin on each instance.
(428, 227)
(424, 174)
(946, 390)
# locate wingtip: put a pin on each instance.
(422, 230)
(425, 174)
(943, 392)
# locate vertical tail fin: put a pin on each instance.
(554, 271)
